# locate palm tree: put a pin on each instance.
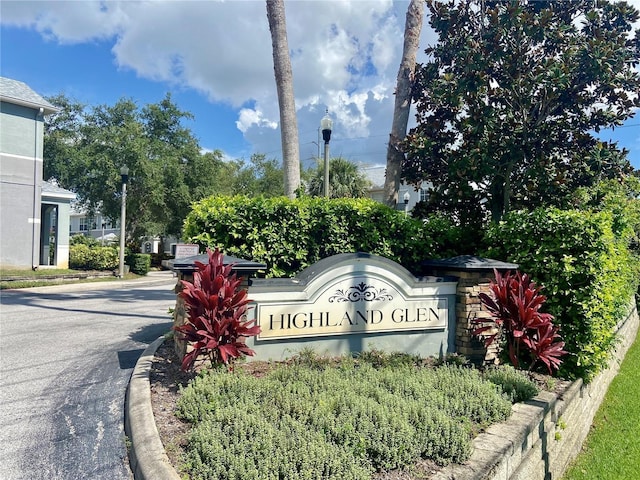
(345, 180)
(412, 29)
(286, 99)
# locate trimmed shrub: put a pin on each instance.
(588, 272)
(140, 263)
(289, 235)
(84, 257)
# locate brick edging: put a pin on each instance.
(543, 435)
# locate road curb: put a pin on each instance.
(147, 456)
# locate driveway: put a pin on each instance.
(66, 355)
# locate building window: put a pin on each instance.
(84, 224)
(424, 194)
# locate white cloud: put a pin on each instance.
(66, 22)
(345, 56)
(248, 118)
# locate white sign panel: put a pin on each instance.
(184, 250)
(355, 304)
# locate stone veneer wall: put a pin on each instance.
(468, 309)
(544, 435)
(474, 275)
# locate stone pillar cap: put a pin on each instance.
(188, 264)
(469, 262)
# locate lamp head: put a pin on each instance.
(124, 173)
(406, 197)
(326, 124)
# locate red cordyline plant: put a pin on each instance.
(514, 305)
(217, 306)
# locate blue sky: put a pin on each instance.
(215, 59)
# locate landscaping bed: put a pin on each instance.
(466, 405)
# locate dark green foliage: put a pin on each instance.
(515, 384)
(588, 271)
(157, 258)
(450, 238)
(140, 263)
(95, 257)
(305, 422)
(289, 235)
(510, 100)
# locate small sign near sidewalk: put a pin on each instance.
(184, 250)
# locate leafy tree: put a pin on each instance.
(345, 180)
(62, 135)
(209, 173)
(509, 102)
(86, 147)
(261, 176)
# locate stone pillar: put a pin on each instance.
(180, 315)
(474, 276)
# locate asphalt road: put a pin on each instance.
(66, 355)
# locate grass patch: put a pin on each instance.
(340, 419)
(612, 448)
(29, 273)
(27, 278)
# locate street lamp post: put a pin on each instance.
(124, 173)
(406, 198)
(325, 126)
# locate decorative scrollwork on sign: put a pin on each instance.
(361, 293)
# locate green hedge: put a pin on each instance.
(588, 272)
(140, 263)
(85, 257)
(289, 235)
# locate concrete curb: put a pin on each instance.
(147, 456)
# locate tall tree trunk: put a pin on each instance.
(412, 29)
(286, 99)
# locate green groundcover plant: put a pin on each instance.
(341, 419)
